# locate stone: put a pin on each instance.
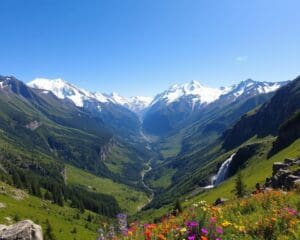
(297, 173)
(220, 201)
(290, 181)
(277, 166)
(23, 230)
(297, 184)
(289, 161)
(297, 162)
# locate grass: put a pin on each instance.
(165, 180)
(259, 167)
(117, 159)
(171, 146)
(128, 198)
(265, 216)
(62, 219)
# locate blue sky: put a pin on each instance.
(140, 47)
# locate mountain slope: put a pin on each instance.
(267, 119)
(40, 121)
(178, 104)
(111, 111)
(193, 168)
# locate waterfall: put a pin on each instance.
(222, 173)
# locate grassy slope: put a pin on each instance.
(165, 180)
(117, 159)
(128, 198)
(171, 146)
(62, 219)
(258, 168)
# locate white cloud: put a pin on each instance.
(241, 58)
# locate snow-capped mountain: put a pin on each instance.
(139, 103)
(250, 88)
(80, 97)
(109, 108)
(196, 93)
(193, 91)
(136, 104)
(180, 101)
(62, 89)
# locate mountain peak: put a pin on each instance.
(193, 90)
(63, 89)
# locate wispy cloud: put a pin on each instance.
(241, 58)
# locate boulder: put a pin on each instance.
(277, 166)
(297, 173)
(220, 201)
(297, 162)
(297, 184)
(23, 230)
(290, 181)
(289, 161)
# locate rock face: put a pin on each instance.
(105, 150)
(283, 176)
(24, 230)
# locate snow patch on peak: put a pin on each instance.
(200, 93)
(251, 87)
(101, 97)
(61, 89)
(118, 99)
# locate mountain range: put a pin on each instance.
(193, 94)
(60, 139)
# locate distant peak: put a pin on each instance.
(195, 82)
(248, 80)
(57, 80)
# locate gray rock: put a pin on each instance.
(277, 166)
(289, 161)
(290, 181)
(297, 184)
(297, 173)
(24, 230)
(220, 201)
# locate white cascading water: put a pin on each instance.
(222, 173)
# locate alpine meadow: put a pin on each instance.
(105, 134)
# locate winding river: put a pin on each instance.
(143, 173)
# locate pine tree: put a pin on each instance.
(177, 206)
(89, 218)
(48, 234)
(240, 187)
(48, 196)
(16, 179)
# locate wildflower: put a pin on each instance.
(183, 230)
(192, 237)
(204, 238)
(204, 231)
(219, 230)
(225, 223)
(192, 224)
(162, 237)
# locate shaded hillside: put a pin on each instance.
(289, 131)
(267, 119)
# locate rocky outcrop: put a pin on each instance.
(33, 125)
(24, 230)
(285, 175)
(106, 148)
